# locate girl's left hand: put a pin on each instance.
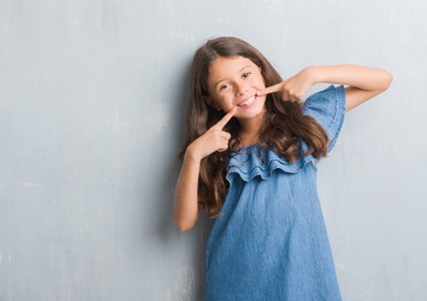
(294, 88)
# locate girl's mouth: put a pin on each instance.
(246, 104)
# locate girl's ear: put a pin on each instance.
(210, 101)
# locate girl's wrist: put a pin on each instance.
(190, 153)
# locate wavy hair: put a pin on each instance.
(283, 129)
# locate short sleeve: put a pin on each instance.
(328, 108)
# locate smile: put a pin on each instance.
(247, 102)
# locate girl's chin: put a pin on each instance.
(242, 115)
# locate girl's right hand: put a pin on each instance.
(215, 139)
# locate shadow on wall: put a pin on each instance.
(191, 288)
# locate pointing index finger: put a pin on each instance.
(221, 124)
(271, 89)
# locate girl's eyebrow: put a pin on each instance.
(237, 72)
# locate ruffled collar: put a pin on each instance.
(256, 160)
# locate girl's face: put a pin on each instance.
(234, 81)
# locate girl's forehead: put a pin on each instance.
(222, 66)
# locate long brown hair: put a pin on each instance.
(283, 129)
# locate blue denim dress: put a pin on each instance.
(270, 241)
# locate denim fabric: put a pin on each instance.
(270, 242)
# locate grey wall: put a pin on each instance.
(92, 102)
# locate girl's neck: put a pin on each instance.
(250, 129)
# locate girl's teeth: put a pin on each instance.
(248, 102)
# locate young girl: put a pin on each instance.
(249, 162)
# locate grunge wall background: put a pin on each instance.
(92, 103)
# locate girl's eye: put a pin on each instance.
(247, 74)
(223, 86)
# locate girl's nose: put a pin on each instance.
(242, 89)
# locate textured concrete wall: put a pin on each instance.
(92, 102)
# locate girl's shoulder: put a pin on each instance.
(330, 100)
(328, 108)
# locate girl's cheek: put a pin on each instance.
(259, 82)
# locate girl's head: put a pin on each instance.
(228, 71)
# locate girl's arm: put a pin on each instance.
(186, 209)
(364, 82)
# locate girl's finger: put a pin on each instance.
(226, 135)
(286, 96)
(275, 88)
(221, 124)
